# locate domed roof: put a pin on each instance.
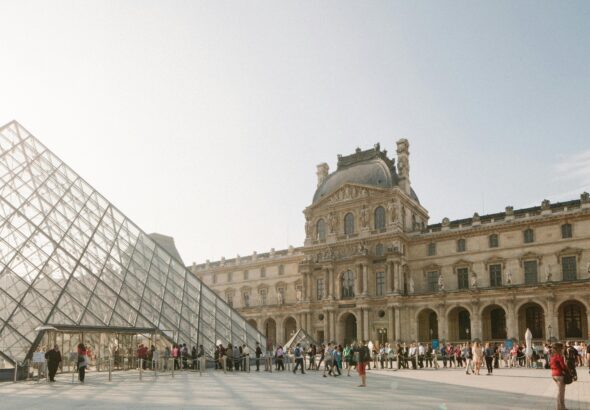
(369, 168)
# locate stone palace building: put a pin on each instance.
(372, 266)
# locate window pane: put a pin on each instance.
(379, 218)
(495, 275)
(568, 265)
(463, 278)
(380, 283)
(530, 272)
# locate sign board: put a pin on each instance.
(435, 344)
(508, 343)
(39, 357)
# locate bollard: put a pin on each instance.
(172, 368)
(110, 370)
(140, 369)
(15, 371)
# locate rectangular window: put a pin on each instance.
(246, 300)
(530, 272)
(431, 249)
(568, 266)
(230, 300)
(493, 241)
(281, 269)
(461, 245)
(495, 275)
(432, 281)
(229, 277)
(262, 297)
(380, 283)
(320, 289)
(529, 236)
(245, 275)
(463, 278)
(566, 231)
(262, 272)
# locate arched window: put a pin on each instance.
(379, 217)
(349, 224)
(347, 284)
(572, 317)
(321, 229)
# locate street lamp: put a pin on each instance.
(382, 332)
(467, 333)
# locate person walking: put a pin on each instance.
(298, 359)
(258, 353)
(364, 357)
(53, 358)
(489, 355)
(279, 358)
(82, 362)
(202, 359)
(468, 352)
(558, 371)
(477, 356)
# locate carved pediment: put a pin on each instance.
(349, 192)
(495, 260)
(529, 256)
(433, 267)
(461, 263)
(570, 251)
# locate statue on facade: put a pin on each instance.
(548, 274)
(473, 280)
(411, 284)
(441, 283)
(307, 227)
(332, 221)
(298, 294)
(279, 298)
(508, 277)
(364, 217)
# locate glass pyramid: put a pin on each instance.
(68, 257)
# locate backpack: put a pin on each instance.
(297, 352)
(364, 354)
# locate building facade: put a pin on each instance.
(372, 266)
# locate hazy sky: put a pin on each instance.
(205, 120)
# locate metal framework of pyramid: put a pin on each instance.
(301, 336)
(68, 257)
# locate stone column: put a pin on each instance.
(511, 321)
(476, 327)
(388, 281)
(365, 268)
(357, 282)
(359, 324)
(390, 324)
(398, 333)
(327, 283)
(280, 331)
(442, 323)
(366, 323)
(334, 291)
(305, 291)
(551, 319)
(326, 325)
(333, 326)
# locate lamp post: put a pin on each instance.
(550, 328)
(382, 332)
(467, 333)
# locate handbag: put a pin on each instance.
(567, 377)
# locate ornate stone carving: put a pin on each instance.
(545, 205)
(473, 280)
(585, 198)
(307, 227)
(508, 277)
(333, 221)
(364, 217)
(441, 282)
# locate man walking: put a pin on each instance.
(298, 359)
(258, 354)
(364, 357)
(53, 359)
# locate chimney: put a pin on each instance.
(322, 173)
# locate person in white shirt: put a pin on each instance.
(412, 354)
(421, 353)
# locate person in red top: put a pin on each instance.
(558, 369)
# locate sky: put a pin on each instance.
(205, 120)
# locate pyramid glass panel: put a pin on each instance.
(69, 260)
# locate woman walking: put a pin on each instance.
(558, 371)
(477, 356)
(82, 362)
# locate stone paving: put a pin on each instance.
(441, 389)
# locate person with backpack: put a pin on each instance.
(258, 355)
(364, 357)
(298, 359)
(571, 356)
(558, 372)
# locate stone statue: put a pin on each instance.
(411, 284)
(508, 277)
(548, 275)
(332, 221)
(473, 280)
(280, 298)
(364, 217)
(441, 283)
(298, 295)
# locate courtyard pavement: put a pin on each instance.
(420, 389)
